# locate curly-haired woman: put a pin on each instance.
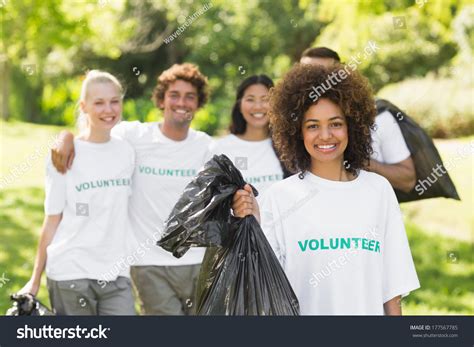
(336, 228)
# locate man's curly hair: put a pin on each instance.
(295, 94)
(186, 72)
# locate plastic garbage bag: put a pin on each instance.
(27, 305)
(240, 274)
(425, 157)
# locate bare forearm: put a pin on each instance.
(393, 307)
(399, 176)
(62, 153)
(47, 233)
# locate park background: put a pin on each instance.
(424, 64)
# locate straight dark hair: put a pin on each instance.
(238, 124)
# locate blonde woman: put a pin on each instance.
(84, 233)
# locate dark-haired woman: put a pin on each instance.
(336, 228)
(249, 144)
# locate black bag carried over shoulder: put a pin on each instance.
(425, 157)
(240, 274)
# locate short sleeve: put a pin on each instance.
(211, 150)
(271, 223)
(399, 273)
(126, 130)
(55, 190)
(391, 142)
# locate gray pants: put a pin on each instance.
(166, 290)
(88, 297)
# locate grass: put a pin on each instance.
(439, 230)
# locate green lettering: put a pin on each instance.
(365, 244)
(346, 243)
(314, 244)
(303, 247)
(322, 245)
(334, 245)
(356, 240)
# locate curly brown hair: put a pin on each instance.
(186, 72)
(292, 97)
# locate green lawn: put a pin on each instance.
(440, 230)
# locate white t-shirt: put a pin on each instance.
(163, 169)
(342, 245)
(93, 195)
(388, 144)
(256, 160)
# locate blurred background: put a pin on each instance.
(423, 63)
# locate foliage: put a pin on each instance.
(47, 46)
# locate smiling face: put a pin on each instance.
(324, 131)
(102, 105)
(254, 106)
(180, 102)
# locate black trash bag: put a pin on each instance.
(27, 305)
(425, 157)
(240, 274)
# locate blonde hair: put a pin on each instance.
(94, 76)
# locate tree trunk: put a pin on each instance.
(4, 88)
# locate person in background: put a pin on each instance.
(391, 157)
(249, 144)
(169, 155)
(85, 230)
